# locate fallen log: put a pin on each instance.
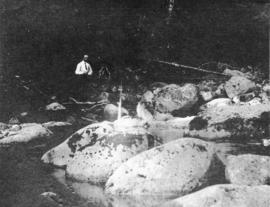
(189, 67)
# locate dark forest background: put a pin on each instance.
(43, 40)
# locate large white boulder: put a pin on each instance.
(238, 85)
(248, 169)
(226, 195)
(96, 163)
(24, 133)
(61, 154)
(176, 168)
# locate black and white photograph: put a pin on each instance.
(134, 103)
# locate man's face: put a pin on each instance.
(85, 58)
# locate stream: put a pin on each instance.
(44, 40)
(96, 196)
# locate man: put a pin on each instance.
(84, 68)
(83, 72)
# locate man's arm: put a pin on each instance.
(78, 70)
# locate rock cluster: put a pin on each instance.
(22, 133)
(173, 145)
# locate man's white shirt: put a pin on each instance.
(83, 68)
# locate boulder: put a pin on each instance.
(219, 102)
(24, 133)
(236, 73)
(173, 97)
(64, 152)
(207, 95)
(111, 112)
(176, 168)
(248, 169)
(55, 106)
(236, 121)
(238, 85)
(226, 195)
(167, 100)
(96, 163)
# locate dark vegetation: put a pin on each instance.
(42, 41)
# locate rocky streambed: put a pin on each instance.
(203, 144)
